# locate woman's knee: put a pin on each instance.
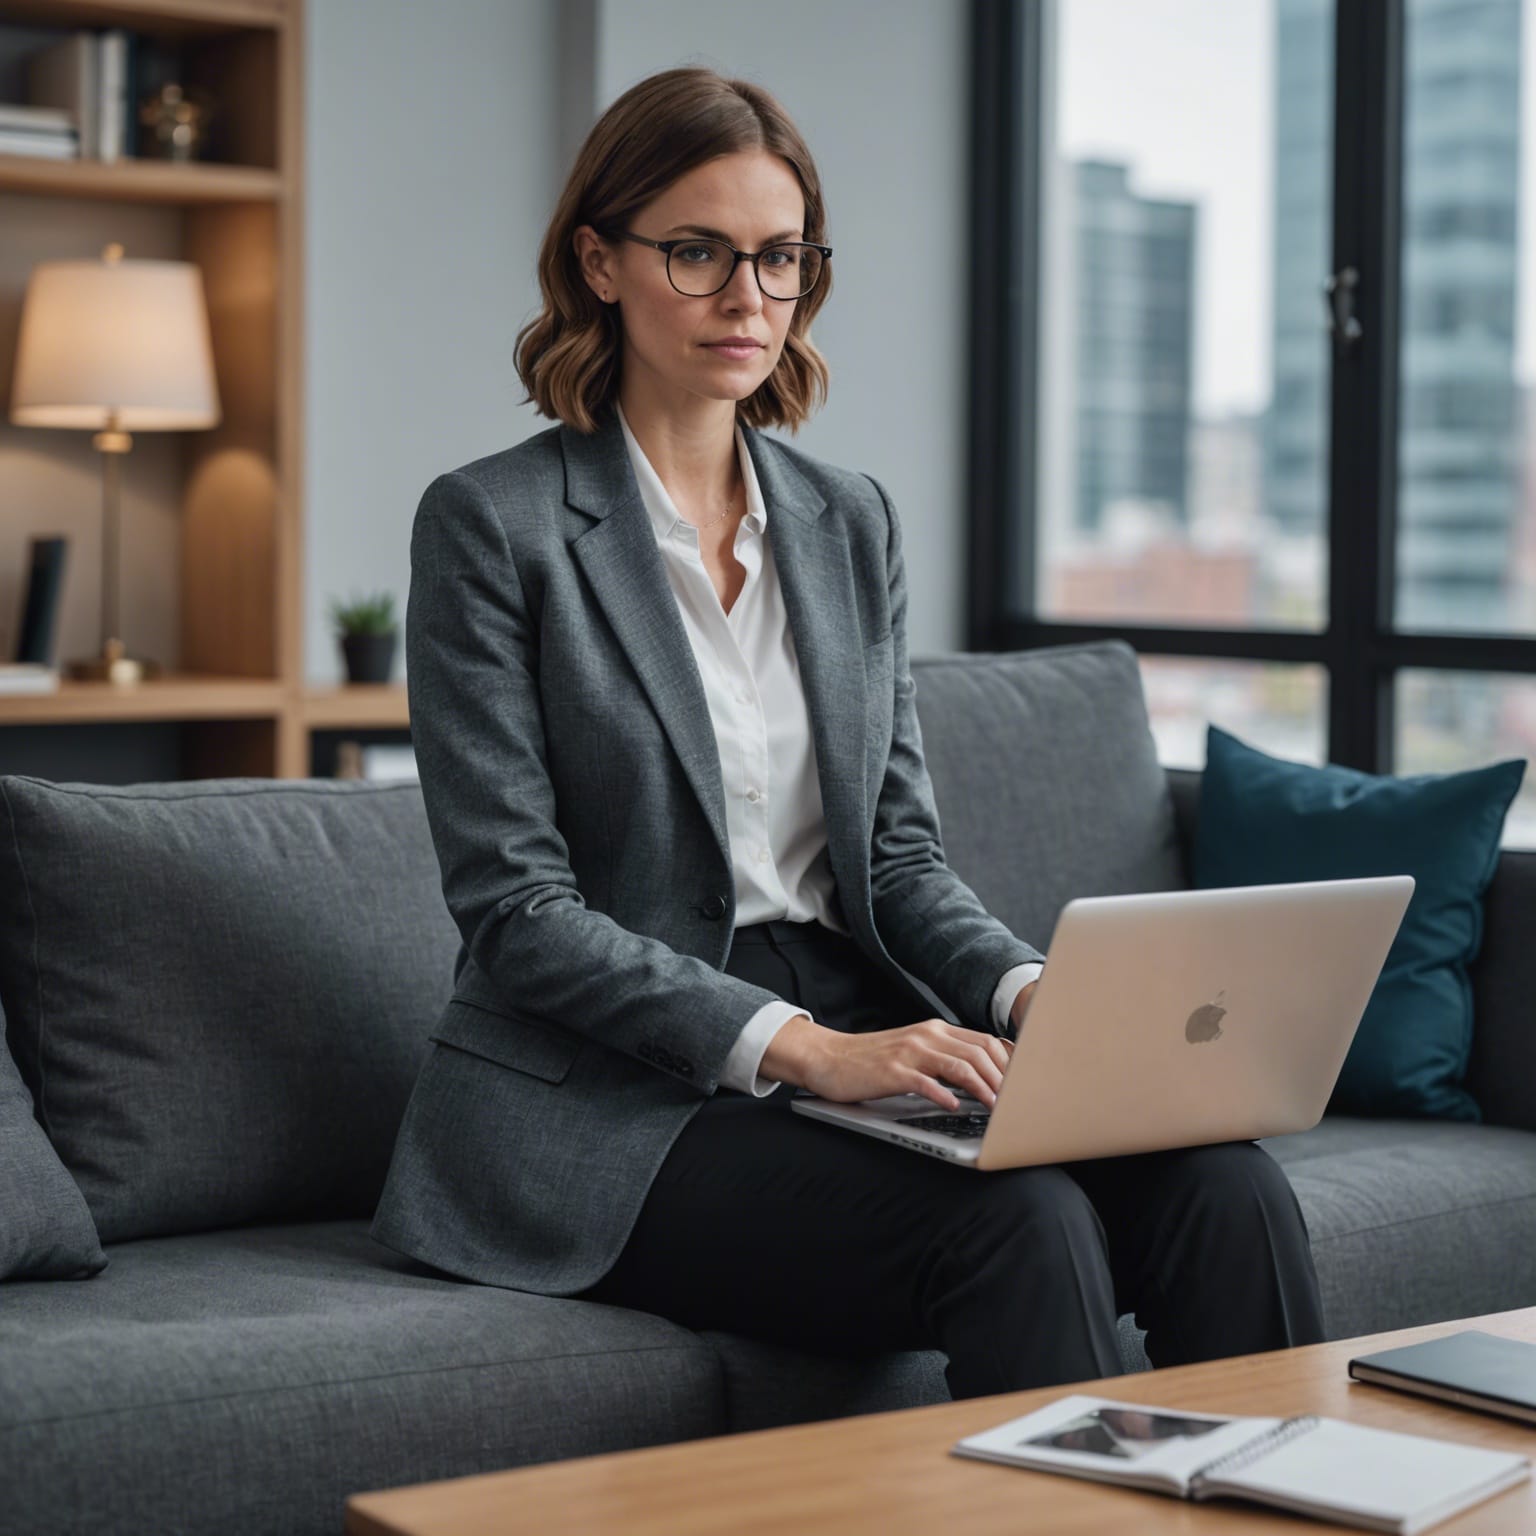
(1240, 1178)
(1040, 1205)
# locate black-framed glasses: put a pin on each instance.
(698, 267)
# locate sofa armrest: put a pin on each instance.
(1502, 1072)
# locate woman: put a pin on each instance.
(661, 705)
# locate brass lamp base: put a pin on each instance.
(114, 665)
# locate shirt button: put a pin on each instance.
(762, 855)
(754, 795)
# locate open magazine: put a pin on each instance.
(1326, 1468)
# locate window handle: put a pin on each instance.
(1339, 296)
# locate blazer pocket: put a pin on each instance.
(508, 1040)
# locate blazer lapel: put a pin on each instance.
(815, 570)
(622, 564)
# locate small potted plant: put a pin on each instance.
(367, 632)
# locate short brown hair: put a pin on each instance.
(657, 131)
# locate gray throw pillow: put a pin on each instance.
(46, 1232)
(219, 991)
(1046, 779)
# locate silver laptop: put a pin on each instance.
(1168, 1020)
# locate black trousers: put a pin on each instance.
(765, 1223)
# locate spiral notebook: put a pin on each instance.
(1332, 1470)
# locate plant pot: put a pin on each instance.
(369, 658)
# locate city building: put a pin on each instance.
(1458, 466)
(1134, 320)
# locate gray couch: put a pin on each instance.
(219, 991)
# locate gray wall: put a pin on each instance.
(428, 132)
(415, 295)
(886, 119)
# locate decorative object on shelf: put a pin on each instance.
(175, 121)
(119, 347)
(367, 632)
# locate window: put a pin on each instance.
(1466, 491)
(1158, 320)
(1313, 513)
(1450, 720)
(1279, 709)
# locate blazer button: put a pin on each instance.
(714, 908)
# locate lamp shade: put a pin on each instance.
(129, 337)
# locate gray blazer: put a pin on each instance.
(574, 794)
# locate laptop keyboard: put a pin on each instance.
(966, 1127)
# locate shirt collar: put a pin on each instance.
(665, 520)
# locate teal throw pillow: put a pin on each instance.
(1267, 821)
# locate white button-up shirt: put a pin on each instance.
(773, 811)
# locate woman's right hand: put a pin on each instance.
(922, 1058)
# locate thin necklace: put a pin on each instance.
(722, 517)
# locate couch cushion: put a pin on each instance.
(46, 1231)
(1047, 780)
(1413, 1221)
(251, 1381)
(219, 991)
(1264, 820)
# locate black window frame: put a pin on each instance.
(1358, 649)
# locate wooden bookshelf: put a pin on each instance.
(237, 685)
(171, 697)
(165, 18)
(361, 706)
(139, 181)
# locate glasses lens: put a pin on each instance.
(699, 267)
(702, 267)
(789, 271)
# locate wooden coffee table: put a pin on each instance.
(892, 1474)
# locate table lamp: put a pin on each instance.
(116, 347)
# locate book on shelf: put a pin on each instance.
(44, 120)
(42, 146)
(38, 633)
(1330, 1469)
(115, 127)
(26, 677)
(63, 76)
(89, 77)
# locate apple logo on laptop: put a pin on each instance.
(1205, 1022)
